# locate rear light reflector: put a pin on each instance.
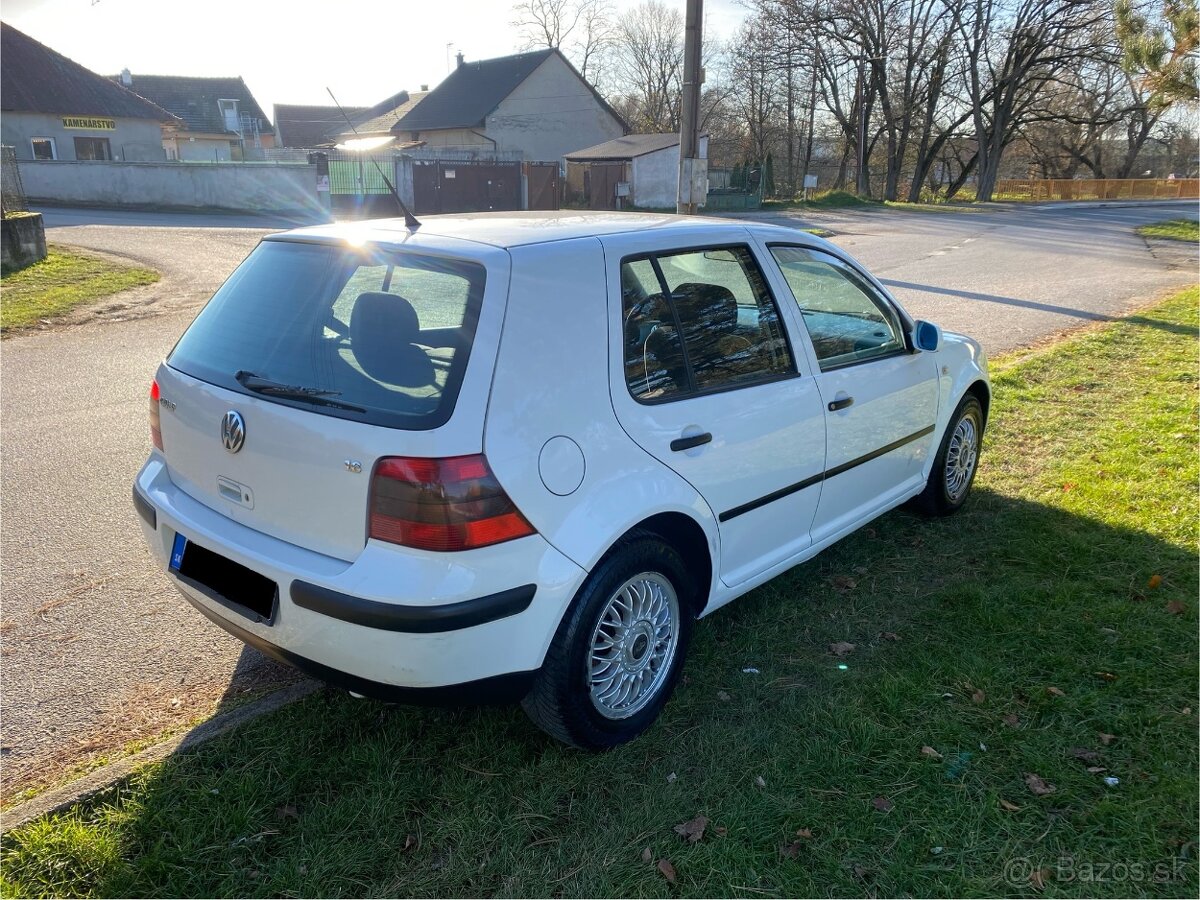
(447, 504)
(155, 426)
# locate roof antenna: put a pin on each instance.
(410, 221)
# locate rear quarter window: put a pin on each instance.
(370, 333)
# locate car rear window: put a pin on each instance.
(365, 333)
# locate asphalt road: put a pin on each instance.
(98, 649)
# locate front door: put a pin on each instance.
(881, 399)
(707, 383)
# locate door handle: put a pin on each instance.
(835, 405)
(687, 443)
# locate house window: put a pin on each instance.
(229, 115)
(43, 148)
(92, 148)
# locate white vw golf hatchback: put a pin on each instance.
(518, 455)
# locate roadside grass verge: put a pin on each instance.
(1172, 229)
(825, 200)
(65, 279)
(1047, 630)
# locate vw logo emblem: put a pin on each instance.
(233, 431)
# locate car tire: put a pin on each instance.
(956, 462)
(597, 701)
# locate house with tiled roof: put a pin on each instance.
(52, 108)
(309, 126)
(218, 118)
(535, 106)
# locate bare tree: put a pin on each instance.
(648, 66)
(1014, 50)
(582, 29)
(544, 23)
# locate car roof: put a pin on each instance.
(514, 229)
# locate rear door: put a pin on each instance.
(706, 381)
(880, 398)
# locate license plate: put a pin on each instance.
(229, 583)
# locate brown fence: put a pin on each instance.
(1097, 189)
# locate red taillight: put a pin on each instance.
(155, 429)
(442, 504)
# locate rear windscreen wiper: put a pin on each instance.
(316, 396)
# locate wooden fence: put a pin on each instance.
(1097, 189)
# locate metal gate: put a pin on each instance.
(600, 182)
(447, 186)
(357, 187)
(541, 180)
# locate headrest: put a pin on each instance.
(383, 330)
(708, 306)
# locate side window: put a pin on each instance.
(846, 319)
(703, 321)
(654, 367)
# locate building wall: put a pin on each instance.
(550, 114)
(254, 187)
(656, 176)
(449, 138)
(201, 148)
(132, 139)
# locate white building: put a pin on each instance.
(637, 170)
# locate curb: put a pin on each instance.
(56, 799)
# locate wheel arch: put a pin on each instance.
(688, 538)
(980, 390)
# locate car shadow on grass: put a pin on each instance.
(1014, 638)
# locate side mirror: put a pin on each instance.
(927, 336)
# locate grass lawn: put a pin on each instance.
(65, 279)
(1005, 662)
(1172, 229)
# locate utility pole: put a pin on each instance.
(693, 171)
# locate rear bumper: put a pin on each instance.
(395, 623)
(508, 688)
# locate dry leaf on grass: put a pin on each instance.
(721, 695)
(790, 851)
(1011, 720)
(1088, 756)
(883, 804)
(668, 870)
(1038, 785)
(1176, 608)
(647, 856)
(841, 648)
(1096, 770)
(692, 830)
(1155, 581)
(978, 697)
(760, 781)
(844, 582)
(1055, 692)
(1107, 739)
(1106, 676)
(1038, 877)
(890, 636)
(930, 752)
(1008, 807)
(805, 833)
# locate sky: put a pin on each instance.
(289, 52)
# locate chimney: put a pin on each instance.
(126, 77)
(424, 87)
(460, 59)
